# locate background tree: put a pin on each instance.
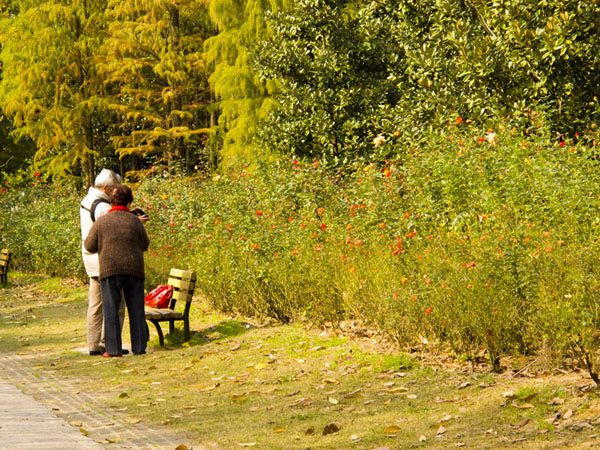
(334, 64)
(535, 61)
(152, 64)
(49, 82)
(240, 94)
(350, 72)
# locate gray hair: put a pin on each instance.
(107, 177)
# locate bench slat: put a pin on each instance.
(181, 284)
(183, 274)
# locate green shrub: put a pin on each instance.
(475, 241)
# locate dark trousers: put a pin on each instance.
(133, 290)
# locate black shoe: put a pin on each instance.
(96, 352)
(125, 351)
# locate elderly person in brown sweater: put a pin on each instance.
(120, 240)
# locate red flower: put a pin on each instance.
(428, 311)
(37, 174)
(459, 120)
(562, 143)
(190, 225)
(323, 226)
(259, 213)
(386, 172)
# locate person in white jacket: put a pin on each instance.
(94, 205)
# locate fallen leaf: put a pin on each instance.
(113, 440)
(523, 406)
(330, 429)
(397, 389)
(247, 444)
(207, 389)
(330, 381)
(392, 429)
(445, 418)
(237, 346)
(441, 430)
(181, 447)
(131, 420)
(333, 401)
(238, 397)
(83, 431)
(556, 401)
(352, 394)
(520, 424)
(279, 429)
(568, 414)
(422, 438)
(463, 385)
(355, 438)
(123, 395)
(75, 424)
(310, 431)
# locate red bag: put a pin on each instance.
(159, 297)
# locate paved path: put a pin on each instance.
(27, 424)
(40, 411)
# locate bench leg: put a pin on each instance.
(186, 329)
(161, 338)
(171, 326)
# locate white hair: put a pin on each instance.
(107, 177)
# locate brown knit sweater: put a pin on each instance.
(120, 240)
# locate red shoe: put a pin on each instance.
(106, 355)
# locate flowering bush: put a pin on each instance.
(476, 240)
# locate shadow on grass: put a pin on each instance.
(222, 330)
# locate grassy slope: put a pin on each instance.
(280, 386)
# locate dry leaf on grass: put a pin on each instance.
(520, 424)
(330, 429)
(131, 420)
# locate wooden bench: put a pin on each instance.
(4, 260)
(183, 282)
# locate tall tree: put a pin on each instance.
(50, 87)
(241, 96)
(152, 63)
(334, 63)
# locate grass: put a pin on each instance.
(238, 382)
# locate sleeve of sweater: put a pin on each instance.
(144, 238)
(91, 241)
